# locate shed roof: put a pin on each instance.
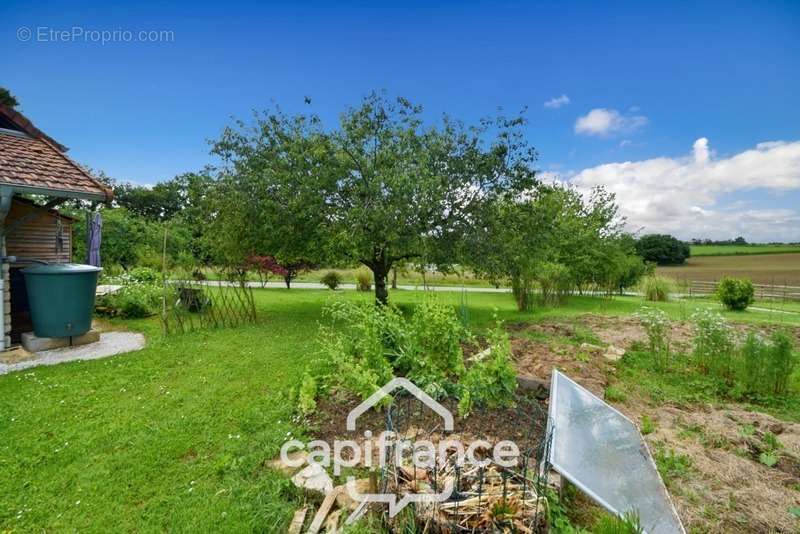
(32, 162)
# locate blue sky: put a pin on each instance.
(658, 77)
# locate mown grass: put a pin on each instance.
(175, 437)
(735, 250)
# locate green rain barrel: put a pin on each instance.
(61, 297)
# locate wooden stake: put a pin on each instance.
(332, 523)
(297, 521)
(324, 508)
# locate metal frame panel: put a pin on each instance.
(593, 462)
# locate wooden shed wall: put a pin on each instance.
(37, 238)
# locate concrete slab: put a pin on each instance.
(31, 343)
(110, 343)
(106, 289)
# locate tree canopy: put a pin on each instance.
(557, 239)
(6, 98)
(380, 188)
(663, 249)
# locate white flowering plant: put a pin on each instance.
(657, 325)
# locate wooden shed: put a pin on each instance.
(42, 234)
(34, 166)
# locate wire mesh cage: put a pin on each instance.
(471, 488)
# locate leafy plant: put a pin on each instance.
(134, 299)
(648, 426)
(367, 345)
(766, 365)
(656, 288)
(555, 282)
(771, 441)
(331, 279)
(768, 458)
(735, 293)
(358, 345)
(657, 325)
(714, 347)
(308, 394)
(363, 279)
(629, 523)
(671, 465)
(144, 275)
(434, 349)
(614, 394)
(780, 364)
(491, 381)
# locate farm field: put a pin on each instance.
(730, 250)
(774, 269)
(177, 437)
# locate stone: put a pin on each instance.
(539, 387)
(482, 355)
(588, 347)
(38, 344)
(346, 501)
(777, 428)
(613, 353)
(296, 456)
(313, 477)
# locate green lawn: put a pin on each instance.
(175, 437)
(735, 250)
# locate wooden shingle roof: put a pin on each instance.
(32, 162)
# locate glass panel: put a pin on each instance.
(600, 450)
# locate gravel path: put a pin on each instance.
(110, 343)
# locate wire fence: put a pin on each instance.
(776, 292)
(485, 496)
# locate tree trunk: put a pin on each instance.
(381, 293)
(394, 277)
(288, 280)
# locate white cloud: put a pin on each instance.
(603, 122)
(700, 149)
(681, 195)
(557, 102)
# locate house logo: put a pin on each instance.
(390, 387)
(395, 450)
(395, 505)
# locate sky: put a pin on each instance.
(688, 111)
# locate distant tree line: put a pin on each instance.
(720, 242)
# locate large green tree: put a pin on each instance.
(663, 249)
(555, 240)
(380, 188)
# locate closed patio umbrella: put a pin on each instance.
(93, 238)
